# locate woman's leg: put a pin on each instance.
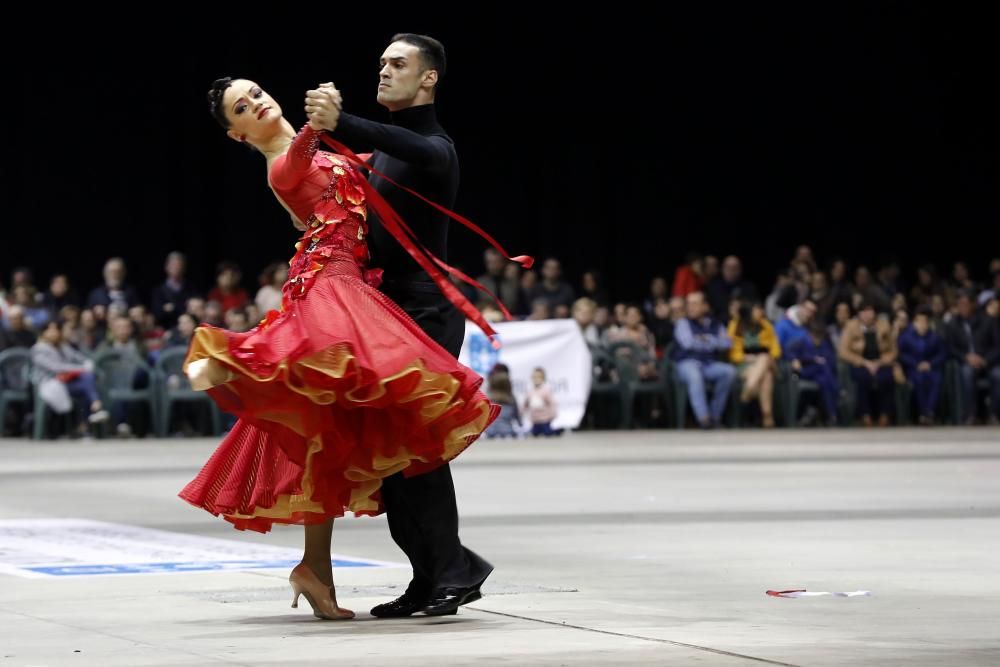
(755, 373)
(766, 397)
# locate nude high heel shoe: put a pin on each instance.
(321, 597)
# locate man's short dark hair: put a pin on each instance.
(431, 50)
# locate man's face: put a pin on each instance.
(731, 270)
(551, 271)
(965, 307)
(696, 306)
(402, 73)
(494, 263)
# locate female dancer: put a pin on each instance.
(329, 385)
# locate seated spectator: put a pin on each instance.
(754, 351)
(842, 314)
(18, 333)
(584, 311)
(900, 322)
(180, 335)
(592, 287)
(529, 281)
(236, 320)
(92, 332)
(689, 276)
(813, 358)
(35, 313)
(555, 291)
(504, 286)
(795, 323)
(888, 279)
(711, 266)
(227, 291)
(961, 280)
(60, 295)
(196, 308)
(960, 339)
(123, 339)
(782, 297)
(989, 342)
(927, 286)
(148, 333)
(500, 391)
(821, 294)
(866, 291)
(841, 289)
(65, 377)
(940, 314)
(699, 342)
(728, 286)
(658, 289)
(603, 321)
(272, 278)
(170, 298)
(539, 310)
(662, 324)
(114, 289)
(868, 347)
(922, 354)
(634, 331)
(214, 314)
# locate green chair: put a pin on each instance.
(15, 380)
(116, 375)
(174, 387)
(625, 356)
(607, 383)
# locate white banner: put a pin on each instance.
(557, 346)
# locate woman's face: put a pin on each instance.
(253, 115)
(186, 325)
(757, 315)
(843, 313)
(52, 334)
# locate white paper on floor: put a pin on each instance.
(41, 548)
(813, 594)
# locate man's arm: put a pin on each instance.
(323, 107)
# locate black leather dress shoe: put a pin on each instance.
(446, 601)
(407, 604)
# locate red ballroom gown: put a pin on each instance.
(339, 388)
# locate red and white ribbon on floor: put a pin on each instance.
(803, 593)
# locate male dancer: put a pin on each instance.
(416, 152)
